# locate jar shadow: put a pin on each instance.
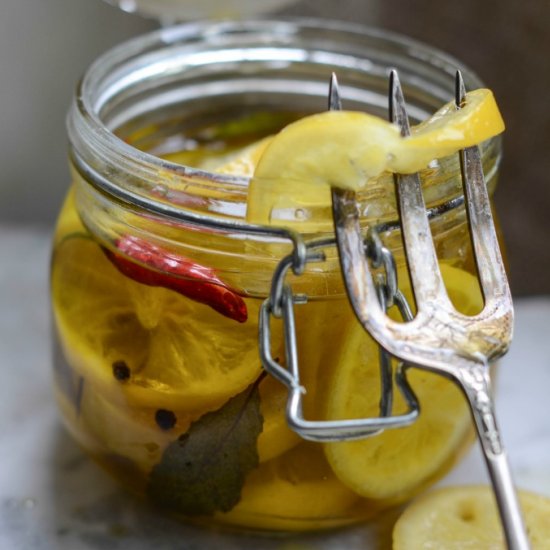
(91, 511)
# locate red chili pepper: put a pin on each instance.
(168, 270)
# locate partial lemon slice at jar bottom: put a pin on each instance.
(295, 491)
(179, 354)
(398, 462)
(466, 517)
(111, 430)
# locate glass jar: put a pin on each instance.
(157, 280)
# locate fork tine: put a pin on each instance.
(334, 100)
(422, 260)
(357, 276)
(398, 112)
(490, 266)
(460, 89)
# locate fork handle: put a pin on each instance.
(476, 384)
(507, 501)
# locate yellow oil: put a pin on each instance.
(127, 389)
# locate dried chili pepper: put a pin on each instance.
(152, 265)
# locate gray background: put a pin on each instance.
(45, 45)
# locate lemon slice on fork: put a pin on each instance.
(347, 149)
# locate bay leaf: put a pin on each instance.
(204, 470)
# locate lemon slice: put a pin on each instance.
(295, 491)
(276, 437)
(401, 461)
(239, 161)
(112, 430)
(180, 354)
(346, 149)
(244, 161)
(466, 517)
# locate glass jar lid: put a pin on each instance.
(186, 10)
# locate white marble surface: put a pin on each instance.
(54, 498)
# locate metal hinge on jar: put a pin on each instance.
(280, 304)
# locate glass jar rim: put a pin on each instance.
(99, 154)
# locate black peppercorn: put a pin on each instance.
(121, 371)
(165, 420)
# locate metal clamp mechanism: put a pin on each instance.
(280, 304)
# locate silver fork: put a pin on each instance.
(439, 338)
